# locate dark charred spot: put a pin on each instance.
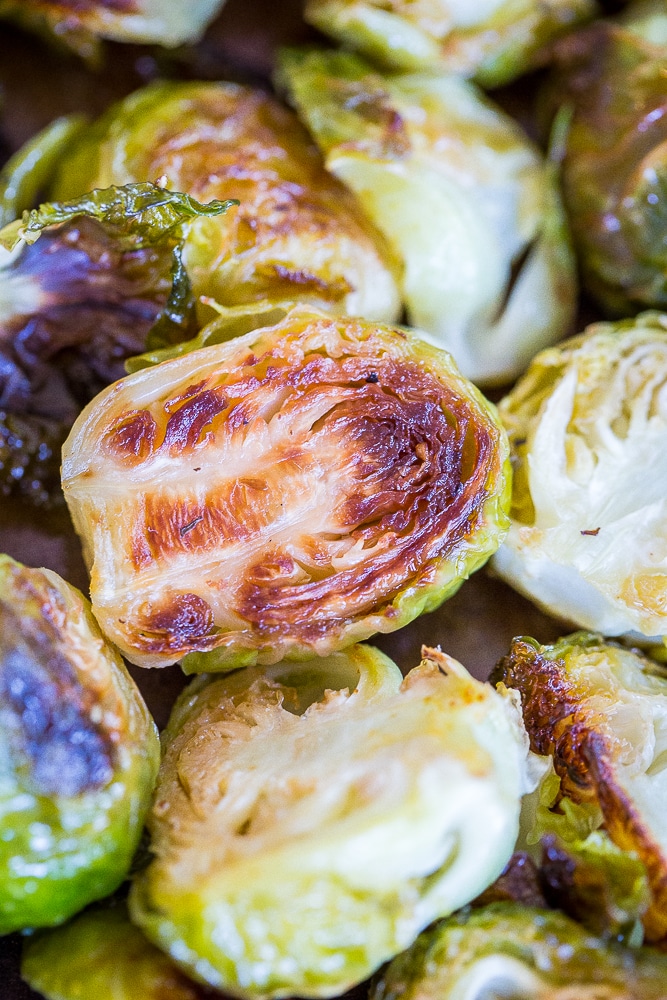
(67, 754)
(45, 709)
(190, 525)
(132, 437)
(182, 624)
(186, 426)
(92, 307)
(419, 459)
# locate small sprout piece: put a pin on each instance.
(81, 24)
(611, 78)
(588, 431)
(82, 283)
(297, 235)
(101, 954)
(78, 753)
(493, 40)
(284, 494)
(311, 819)
(464, 199)
(509, 950)
(600, 711)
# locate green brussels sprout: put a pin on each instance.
(82, 285)
(298, 234)
(284, 494)
(599, 711)
(101, 954)
(492, 40)
(78, 753)
(465, 200)
(513, 951)
(80, 24)
(588, 432)
(611, 78)
(311, 819)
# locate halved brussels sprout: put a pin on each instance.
(101, 954)
(284, 494)
(513, 951)
(311, 819)
(600, 711)
(78, 753)
(82, 283)
(463, 197)
(298, 234)
(493, 40)
(611, 77)
(79, 23)
(588, 432)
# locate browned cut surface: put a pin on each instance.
(407, 458)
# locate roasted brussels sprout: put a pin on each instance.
(297, 235)
(588, 432)
(600, 711)
(611, 77)
(284, 494)
(509, 950)
(311, 819)
(78, 753)
(79, 23)
(101, 954)
(74, 304)
(493, 40)
(463, 197)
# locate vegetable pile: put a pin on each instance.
(246, 333)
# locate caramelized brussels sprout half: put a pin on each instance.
(82, 284)
(298, 234)
(588, 432)
(611, 77)
(509, 950)
(101, 954)
(80, 23)
(493, 40)
(284, 494)
(78, 753)
(311, 819)
(600, 712)
(465, 200)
